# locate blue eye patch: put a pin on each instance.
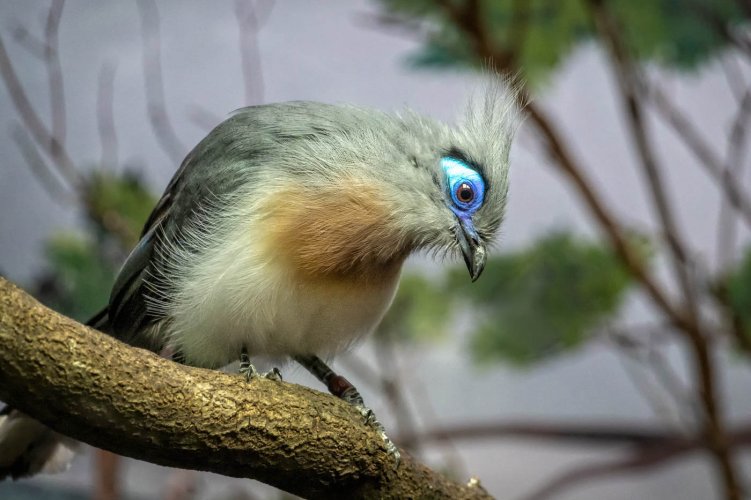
(464, 185)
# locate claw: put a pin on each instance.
(273, 374)
(247, 368)
(342, 388)
(250, 371)
(372, 421)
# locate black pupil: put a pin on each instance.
(465, 193)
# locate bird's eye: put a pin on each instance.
(464, 185)
(465, 193)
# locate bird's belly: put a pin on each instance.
(326, 319)
(280, 319)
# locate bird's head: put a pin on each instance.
(362, 188)
(447, 185)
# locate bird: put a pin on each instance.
(283, 235)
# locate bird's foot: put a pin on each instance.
(351, 395)
(273, 374)
(246, 367)
(249, 371)
(371, 420)
(343, 389)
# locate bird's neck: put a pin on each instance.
(338, 232)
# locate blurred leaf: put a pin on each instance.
(82, 277)
(537, 35)
(680, 34)
(421, 310)
(412, 7)
(549, 32)
(441, 55)
(118, 206)
(82, 268)
(739, 293)
(535, 303)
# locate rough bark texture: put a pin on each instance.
(94, 388)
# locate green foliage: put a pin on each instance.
(528, 305)
(445, 49)
(82, 268)
(80, 278)
(739, 293)
(118, 205)
(679, 34)
(543, 300)
(540, 34)
(537, 35)
(420, 311)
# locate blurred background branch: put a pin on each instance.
(156, 104)
(501, 36)
(551, 298)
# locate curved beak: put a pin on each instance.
(472, 248)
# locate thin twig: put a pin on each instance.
(646, 386)
(560, 154)
(627, 76)
(30, 119)
(154, 85)
(734, 159)
(28, 41)
(644, 460)
(641, 458)
(594, 433)
(106, 116)
(249, 22)
(202, 117)
(647, 354)
(733, 75)
(56, 190)
(660, 366)
(391, 380)
(420, 397)
(693, 140)
(55, 74)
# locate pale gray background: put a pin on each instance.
(328, 52)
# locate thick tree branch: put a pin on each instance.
(129, 401)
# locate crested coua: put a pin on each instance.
(284, 232)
